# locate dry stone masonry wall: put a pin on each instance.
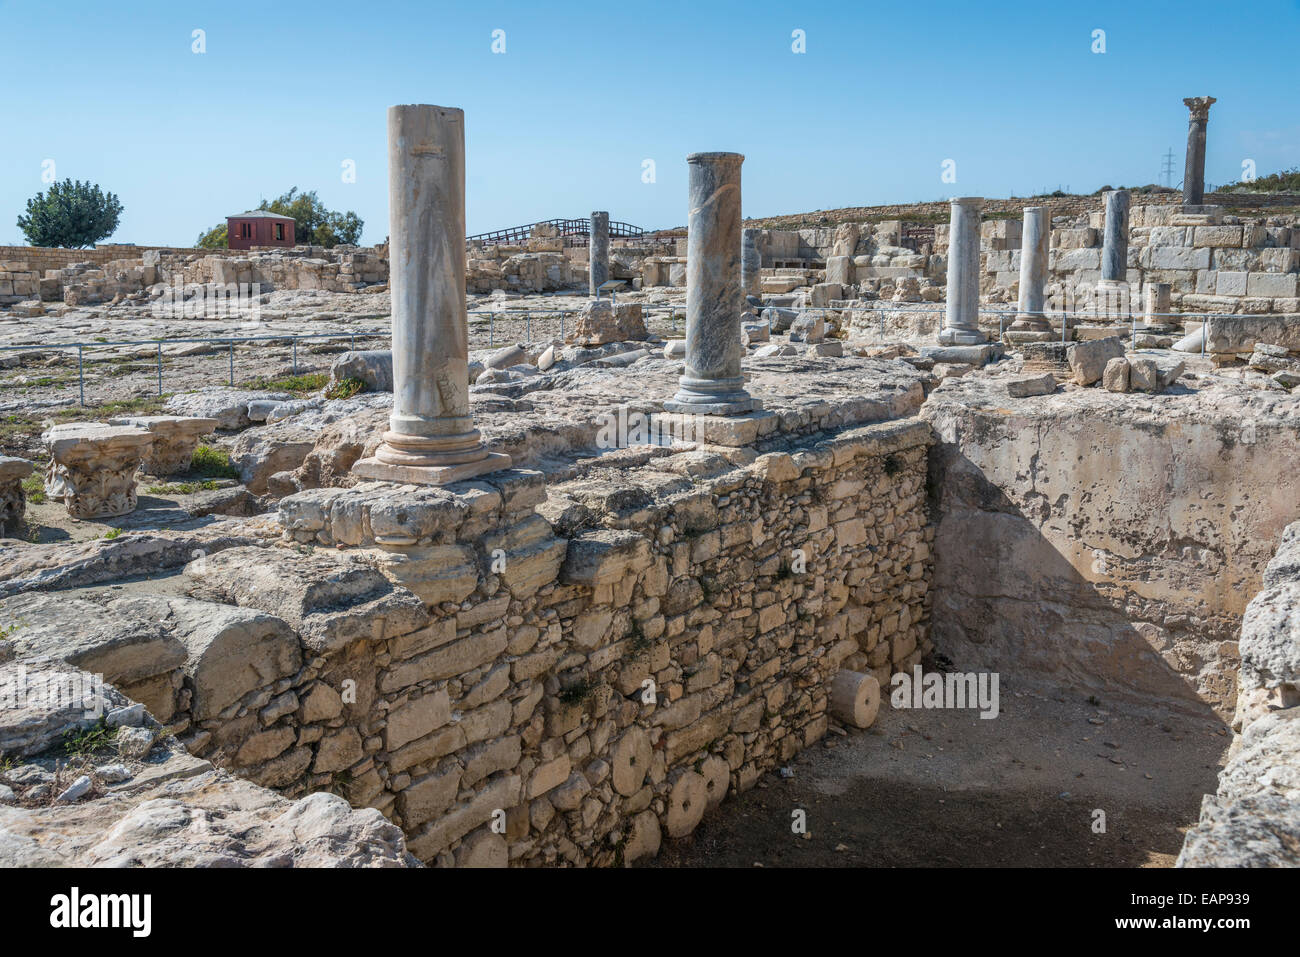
(531, 674)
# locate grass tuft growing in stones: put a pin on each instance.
(346, 389)
(212, 462)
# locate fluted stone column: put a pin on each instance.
(598, 258)
(961, 321)
(1036, 234)
(1198, 117)
(713, 383)
(431, 438)
(750, 264)
(1113, 290)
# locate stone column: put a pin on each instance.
(1036, 234)
(1198, 116)
(431, 439)
(750, 264)
(598, 252)
(1113, 290)
(961, 321)
(713, 383)
(1156, 307)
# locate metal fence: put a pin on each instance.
(548, 322)
(229, 341)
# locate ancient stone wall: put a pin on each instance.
(1103, 545)
(1253, 820)
(512, 671)
(41, 258)
(87, 282)
(1228, 265)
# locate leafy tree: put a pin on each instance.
(214, 238)
(72, 216)
(316, 224)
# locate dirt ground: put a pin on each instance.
(949, 789)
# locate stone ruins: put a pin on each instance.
(597, 535)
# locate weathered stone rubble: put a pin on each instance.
(1253, 820)
(141, 800)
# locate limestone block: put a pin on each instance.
(1170, 236)
(1229, 283)
(809, 327)
(435, 573)
(1273, 285)
(1279, 260)
(1217, 236)
(1019, 387)
(1239, 260)
(839, 270)
(1115, 377)
(1072, 260)
(600, 322)
(1069, 238)
(604, 556)
(1179, 257)
(1088, 359)
(1144, 375)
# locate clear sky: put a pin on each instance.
(562, 121)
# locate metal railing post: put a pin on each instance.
(295, 355)
(232, 362)
(81, 378)
(160, 369)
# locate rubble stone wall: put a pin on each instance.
(41, 258)
(533, 674)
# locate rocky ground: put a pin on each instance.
(1020, 790)
(121, 792)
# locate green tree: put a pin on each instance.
(214, 238)
(314, 223)
(71, 216)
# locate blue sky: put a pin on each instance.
(561, 123)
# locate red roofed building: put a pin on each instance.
(259, 227)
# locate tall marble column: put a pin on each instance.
(598, 258)
(1113, 290)
(1114, 250)
(431, 438)
(1036, 235)
(750, 264)
(1198, 116)
(713, 383)
(961, 321)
